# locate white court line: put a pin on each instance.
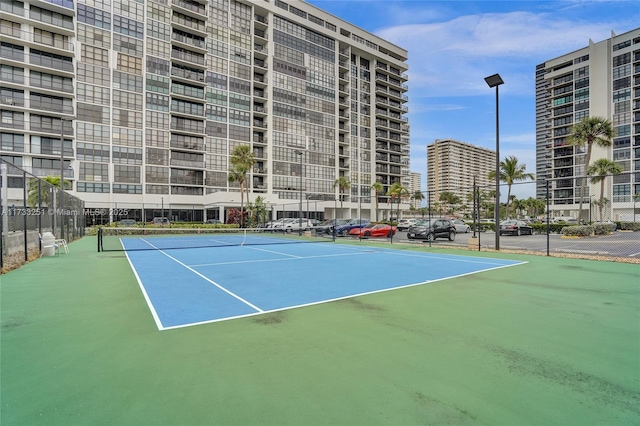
(230, 293)
(276, 260)
(272, 251)
(361, 251)
(457, 259)
(320, 302)
(156, 318)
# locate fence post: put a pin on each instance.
(24, 215)
(547, 215)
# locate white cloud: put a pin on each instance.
(452, 58)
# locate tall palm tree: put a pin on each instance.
(450, 199)
(397, 192)
(242, 160)
(518, 206)
(377, 187)
(343, 184)
(590, 131)
(598, 172)
(417, 196)
(45, 196)
(510, 172)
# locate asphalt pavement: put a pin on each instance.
(616, 244)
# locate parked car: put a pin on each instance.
(431, 229)
(351, 224)
(379, 230)
(326, 227)
(292, 224)
(515, 227)
(160, 221)
(128, 222)
(405, 224)
(461, 226)
(214, 221)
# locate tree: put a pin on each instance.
(511, 172)
(590, 131)
(397, 192)
(518, 205)
(598, 172)
(450, 199)
(46, 184)
(242, 160)
(343, 184)
(257, 211)
(377, 187)
(417, 196)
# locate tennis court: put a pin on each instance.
(244, 275)
(552, 341)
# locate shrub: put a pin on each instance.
(602, 228)
(629, 226)
(577, 231)
(554, 228)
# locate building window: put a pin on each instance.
(93, 16)
(126, 174)
(12, 142)
(92, 187)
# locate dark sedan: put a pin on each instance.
(515, 227)
(431, 229)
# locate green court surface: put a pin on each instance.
(555, 341)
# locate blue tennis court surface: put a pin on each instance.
(194, 286)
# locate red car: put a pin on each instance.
(380, 230)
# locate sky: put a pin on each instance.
(453, 45)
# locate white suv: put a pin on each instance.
(405, 224)
(293, 224)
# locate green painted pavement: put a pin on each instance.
(552, 342)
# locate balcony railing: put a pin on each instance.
(192, 6)
(36, 38)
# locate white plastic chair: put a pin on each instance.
(55, 245)
(62, 243)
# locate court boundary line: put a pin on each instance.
(209, 280)
(277, 260)
(259, 311)
(337, 298)
(152, 308)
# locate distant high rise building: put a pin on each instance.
(452, 165)
(415, 184)
(148, 100)
(600, 80)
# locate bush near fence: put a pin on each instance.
(628, 226)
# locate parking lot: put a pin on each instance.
(617, 244)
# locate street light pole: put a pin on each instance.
(495, 81)
(474, 206)
(61, 202)
(300, 210)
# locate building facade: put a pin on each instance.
(600, 80)
(148, 99)
(415, 185)
(452, 166)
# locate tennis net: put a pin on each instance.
(131, 239)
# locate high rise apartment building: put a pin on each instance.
(150, 98)
(452, 165)
(600, 80)
(415, 184)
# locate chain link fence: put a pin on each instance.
(29, 207)
(595, 217)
